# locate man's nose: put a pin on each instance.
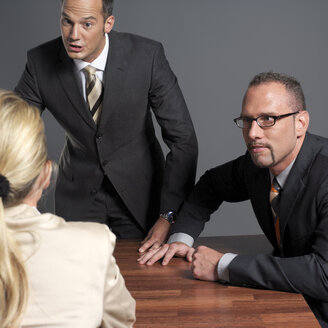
(75, 32)
(254, 131)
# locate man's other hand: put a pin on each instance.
(167, 251)
(156, 236)
(205, 263)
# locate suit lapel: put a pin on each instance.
(288, 196)
(113, 78)
(296, 181)
(66, 74)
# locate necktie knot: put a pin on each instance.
(276, 185)
(275, 189)
(90, 70)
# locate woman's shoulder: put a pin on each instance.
(88, 235)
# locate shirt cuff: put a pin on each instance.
(182, 238)
(223, 266)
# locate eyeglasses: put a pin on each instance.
(264, 121)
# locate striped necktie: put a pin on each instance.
(94, 91)
(274, 192)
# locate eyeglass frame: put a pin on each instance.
(275, 119)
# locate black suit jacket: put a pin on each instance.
(123, 146)
(301, 265)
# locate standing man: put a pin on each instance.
(284, 174)
(100, 86)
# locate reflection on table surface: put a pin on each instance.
(170, 297)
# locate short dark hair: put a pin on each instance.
(292, 86)
(107, 7)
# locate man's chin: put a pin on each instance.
(74, 55)
(262, 162)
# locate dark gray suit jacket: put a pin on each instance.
(123, 146)
(301, 265)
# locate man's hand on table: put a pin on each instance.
(156, 236)
(205, 263)
(167, 251)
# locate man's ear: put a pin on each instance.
(109, 23)
(302, 121)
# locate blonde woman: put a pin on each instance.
(52, 273)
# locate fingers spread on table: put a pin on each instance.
(153, 255)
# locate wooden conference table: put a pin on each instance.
(170, 297)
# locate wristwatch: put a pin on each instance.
(169, 216)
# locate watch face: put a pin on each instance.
(171, 216)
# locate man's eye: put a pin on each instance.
(65, 21)
(87, 24)
(267, 118)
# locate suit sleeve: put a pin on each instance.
(222, 183)
(119, 305)
(177, 130)
(27, 86)
(306, 274)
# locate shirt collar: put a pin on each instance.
(99, 63)
(282, 177)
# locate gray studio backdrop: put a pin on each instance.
(215, 47)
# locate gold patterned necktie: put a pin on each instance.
(274, 192)
(94, 91)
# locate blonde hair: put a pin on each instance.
(23, 154)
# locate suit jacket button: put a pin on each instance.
(93, 192)
(99, 137)
(105, 162)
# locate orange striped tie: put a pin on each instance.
(274, 192)
(94, 91)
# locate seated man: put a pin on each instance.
(284, 174)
